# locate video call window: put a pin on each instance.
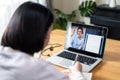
(86, 39)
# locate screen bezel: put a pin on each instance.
(70, 24)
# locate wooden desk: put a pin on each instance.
(108, 69)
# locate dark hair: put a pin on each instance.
(28, 28)
(80, 28)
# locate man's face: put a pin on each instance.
(79, 32)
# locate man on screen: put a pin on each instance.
(77, 40)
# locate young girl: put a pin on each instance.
(28, 32)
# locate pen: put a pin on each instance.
(75, 59)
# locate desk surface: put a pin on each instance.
(108, 69)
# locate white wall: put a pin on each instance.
(7, 8)
(66, 5)
(69, 5)
(106, 2)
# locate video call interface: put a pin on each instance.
(86, 39)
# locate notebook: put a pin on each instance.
(84, 43)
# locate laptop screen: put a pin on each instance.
(86, 38)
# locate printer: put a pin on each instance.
(108, 17)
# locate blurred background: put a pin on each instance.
(8, 7)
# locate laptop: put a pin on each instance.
(84, 43)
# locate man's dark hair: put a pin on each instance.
(80, 28)
(28, 28)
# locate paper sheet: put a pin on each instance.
(93, 43)
(88, 76)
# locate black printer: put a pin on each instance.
(108, 17)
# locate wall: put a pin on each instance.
(69, 5)
(66, 5)
(7, 8)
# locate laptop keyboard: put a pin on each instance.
(67, 55)
(82, 59)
